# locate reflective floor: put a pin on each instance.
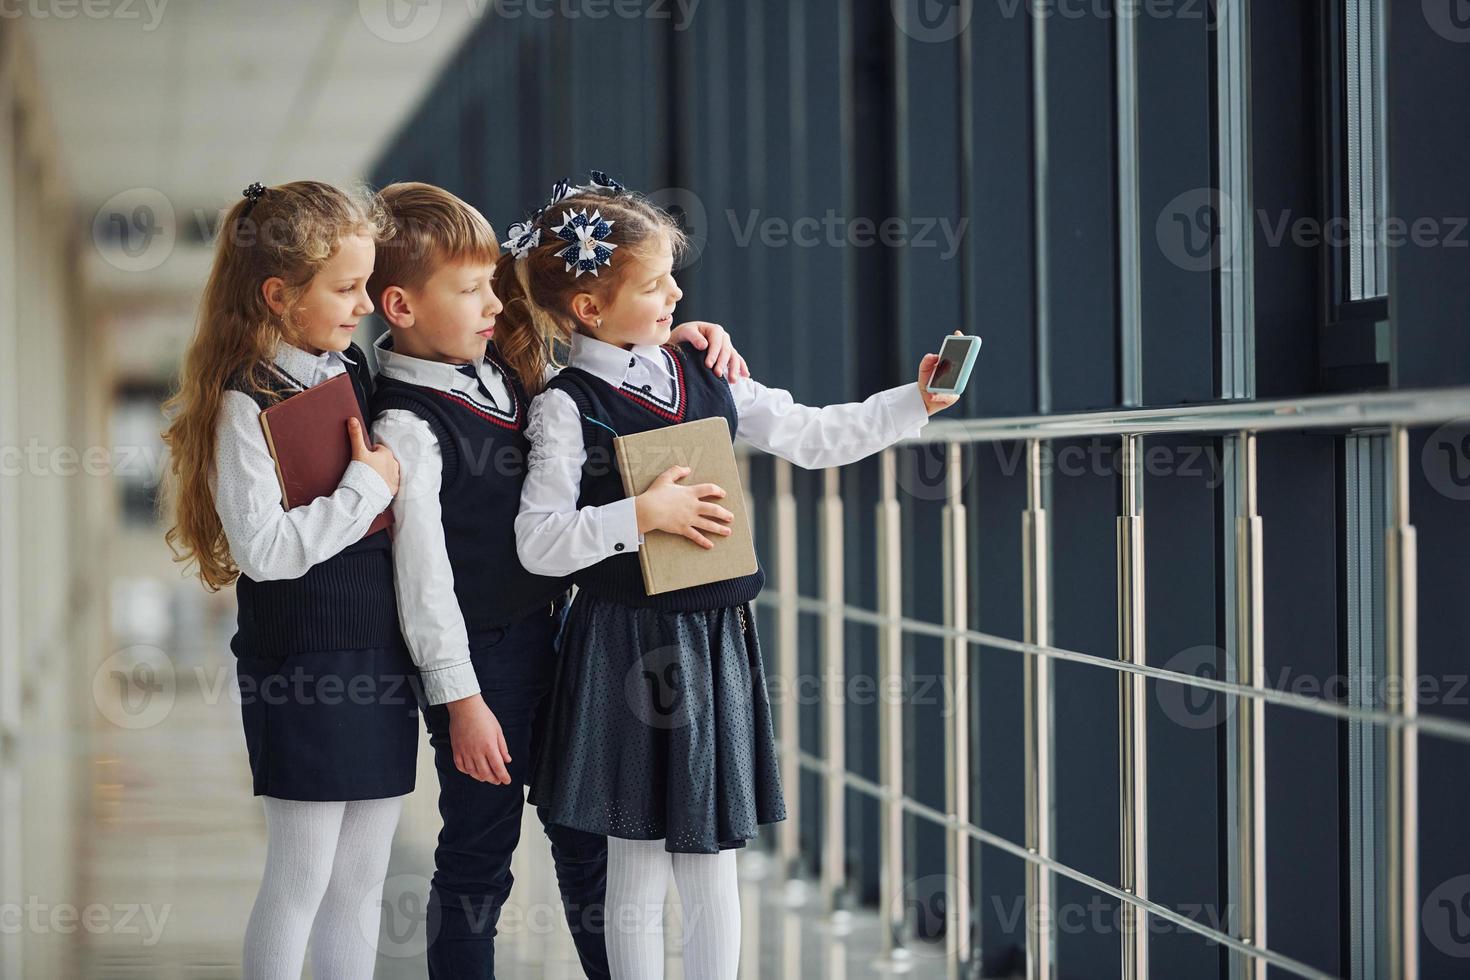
(176, 841)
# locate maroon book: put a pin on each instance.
(307, 436)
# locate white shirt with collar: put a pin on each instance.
(433, 625)
(554, 537)
(267, 541)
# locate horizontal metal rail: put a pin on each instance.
(1445, 728)
(1425, 406)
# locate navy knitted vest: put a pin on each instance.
(698, 394)
(484, 459)
(343, 603)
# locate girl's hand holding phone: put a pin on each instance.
(668, 506)
(380, 458)
(933, 401)
(478, 741)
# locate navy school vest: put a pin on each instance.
(699, 393)
(484, 464)
(343, 603)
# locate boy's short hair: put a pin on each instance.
(427, 227)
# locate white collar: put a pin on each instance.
(612, 363)
(430, 374)
(309, 369)
(445, 377)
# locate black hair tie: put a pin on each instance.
(252, 194)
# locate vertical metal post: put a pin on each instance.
(1132, 714)
(1232, 50)
(890, 709)
(1249, 891)
(1130, 285)
(957, 732)
(787, 635)
(1402, 760)
(1037, 690)
(834, 678)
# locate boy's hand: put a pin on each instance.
(720, 355)
(934, 403)
(478, 741)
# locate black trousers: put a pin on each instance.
(482, 821)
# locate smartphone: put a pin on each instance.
(956, 358)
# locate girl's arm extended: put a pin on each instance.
(267, 541)
(835, 435)
(553, 537)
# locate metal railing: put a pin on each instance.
(1238, 422)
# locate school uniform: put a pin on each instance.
(326, 683)
(477, 623)
(660, 725)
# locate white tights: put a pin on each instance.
(323, 862)
(637, 882)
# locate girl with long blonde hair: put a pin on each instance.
(327, 703)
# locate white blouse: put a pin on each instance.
(554, 537)
(266, 540)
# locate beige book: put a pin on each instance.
(672, 561)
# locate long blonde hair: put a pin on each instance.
(537, 290)
(289, 232)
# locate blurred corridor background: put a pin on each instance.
(1219, 253)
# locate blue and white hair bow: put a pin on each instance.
(524, 236)
(587, 246)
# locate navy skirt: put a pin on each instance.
(331, 724)
(659, 728)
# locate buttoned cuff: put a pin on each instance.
(450, 683)
(620, 527)
(907, 408)
(369, 485)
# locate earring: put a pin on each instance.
(598, 325)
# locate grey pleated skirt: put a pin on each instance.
(659, 726)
